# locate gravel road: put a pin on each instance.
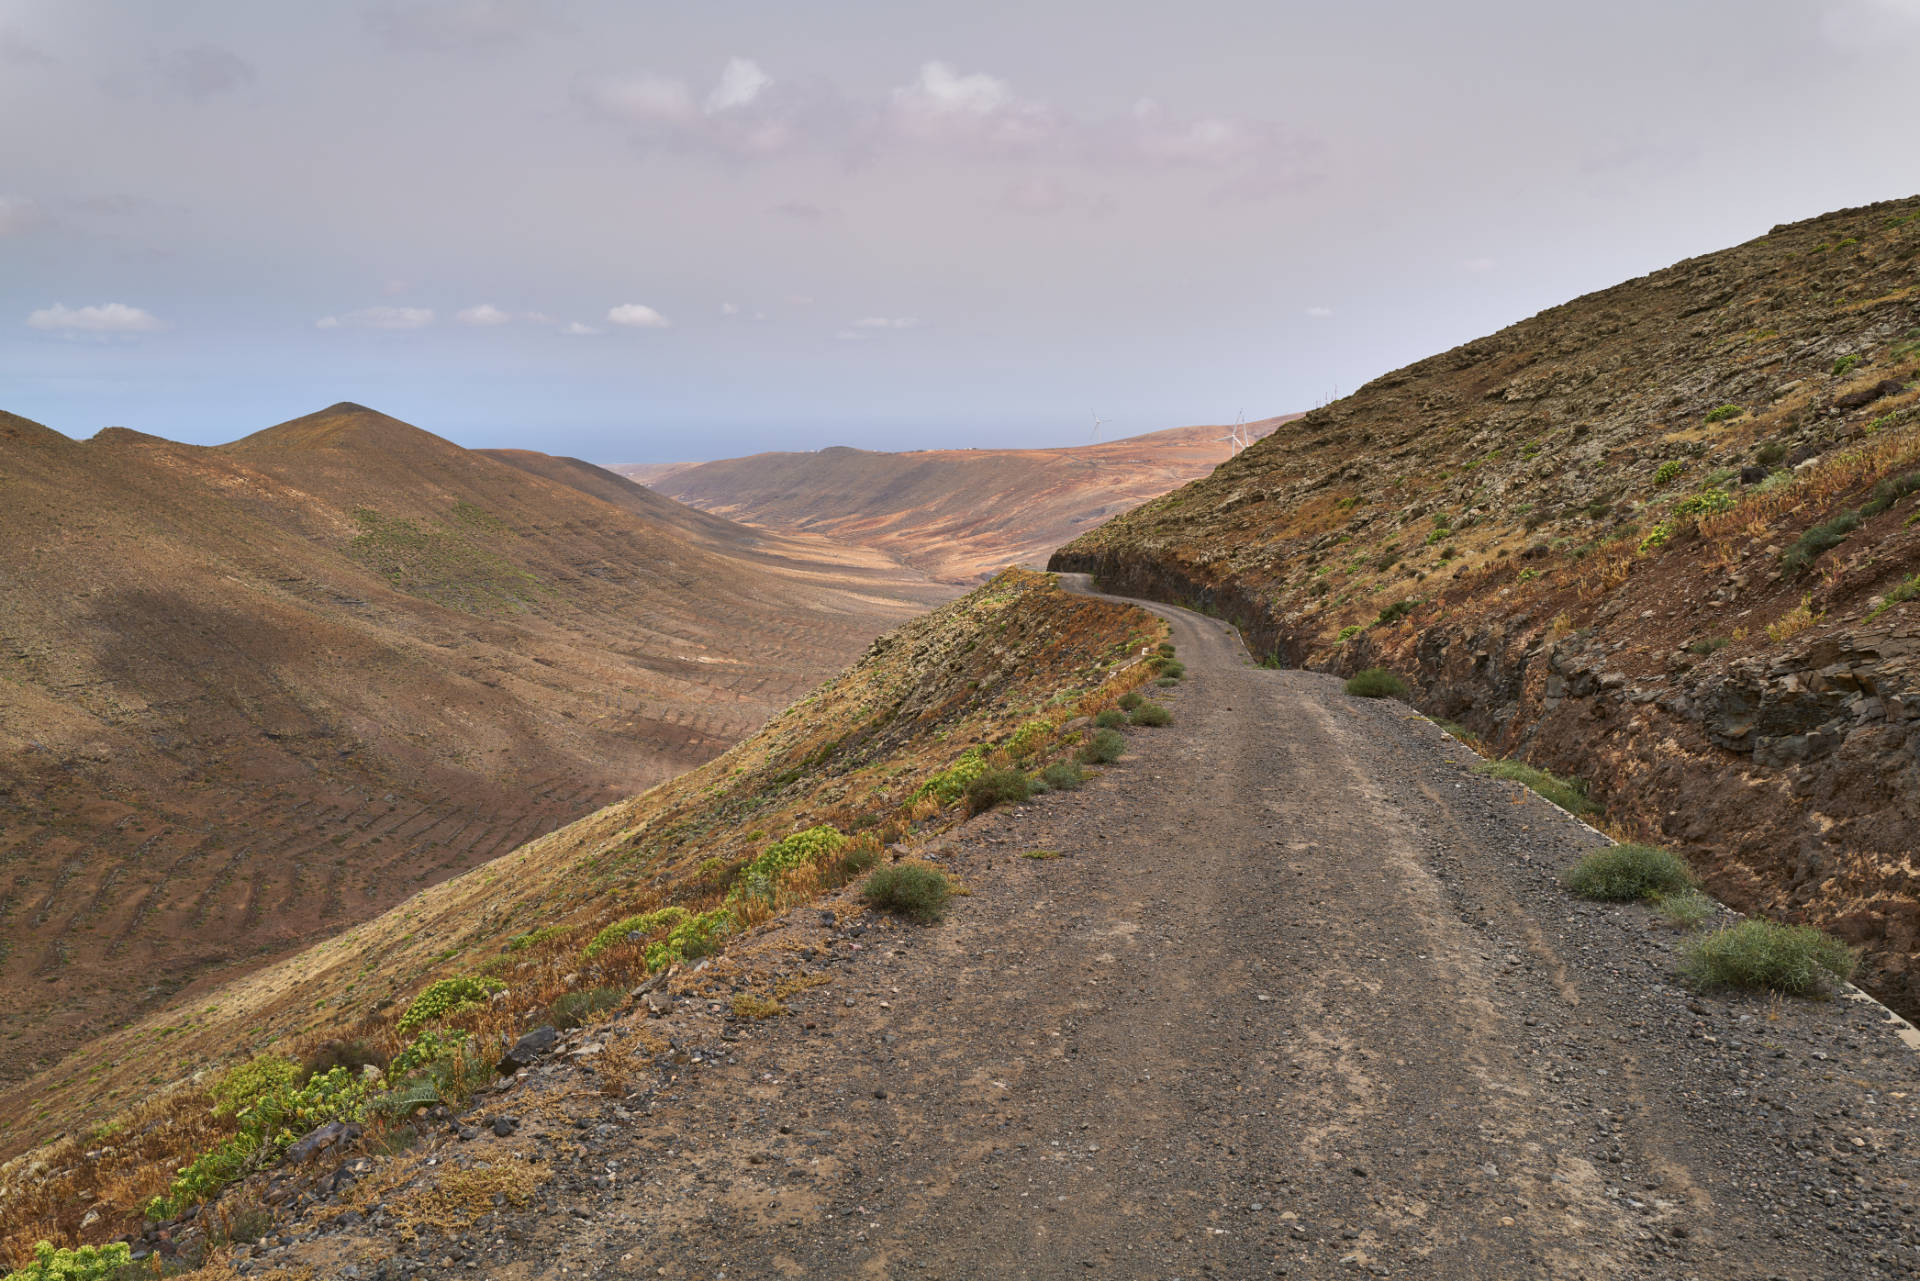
(1299, 996)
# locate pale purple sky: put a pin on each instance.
(644, 232)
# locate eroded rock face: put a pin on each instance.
(1572, 537)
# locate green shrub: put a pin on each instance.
(1888, 492)
(1659, 536)
(761, 876)
(1765, 954)
(444, 998)
(1376, 682)
(693, 938)
(1029, 738)
(1166, 647)
(1619, 873)
(1131, 700)
(1827, 534)
(1570, 794)
(1712, 644)
(1105, 747)
(82, 1263)
(1668, 470)
(1062, 776)
(1708, 502)
(1771, 454)
(857, 859)
(1347, 633)
(634, 929)
(534, 938)
(1725, 412)
(997, 787)
(1394, 612)
(435, 1052)
(1150, 715)
(950, 784)
(1845, 364)
(912, 890)
(353, 1055)
(577, 1008)
(1689, 908)
(1110, 718)
(1172, 670)
(240, 1087)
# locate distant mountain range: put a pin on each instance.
(957, 515)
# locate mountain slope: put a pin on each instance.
(255, 693)
(956, 514)
(1661, 537)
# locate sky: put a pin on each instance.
(640, 232)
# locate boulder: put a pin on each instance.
(528, 1049)
(332, 1134)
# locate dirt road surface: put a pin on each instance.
(1299, 996)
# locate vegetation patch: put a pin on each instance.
(1150, 715)
(445, 997)
(1376, 682)
(997, 787)
(950, 784)
(87, 1263)
(634, 929)
(1570, 794)
(1725, 412)
(912, 890)
(1689, 909)
(1620, 873)
(1110, 718)
(1063, 776)
(1105, 747)
(761, 877)
(1757, 953)
(1041, 854)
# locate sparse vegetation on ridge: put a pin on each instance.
(851, 758)
(1376, 682)
(1570, 794)
(1619, 873)
(912, 890)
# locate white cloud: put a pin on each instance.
(741, 81)
(379, 318)
(106, 318)
(886, 322)
(1319, 313)
(941, 90)
(729, 309)
(636, 316)
(484, 314)
(578, 330)
(18, 215)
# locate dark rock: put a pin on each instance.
(1867, 395)
(332, 1134)
(528, 1049)
(505, 1125)
(1752, 475)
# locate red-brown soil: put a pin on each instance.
(958, 515)
(252, 694)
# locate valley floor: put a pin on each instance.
(1299, 996)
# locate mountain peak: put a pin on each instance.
(342, 426)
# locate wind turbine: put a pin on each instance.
(1098, 423)
(1236, 438)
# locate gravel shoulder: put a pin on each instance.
(1296, 994)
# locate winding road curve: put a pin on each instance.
(1299, 996)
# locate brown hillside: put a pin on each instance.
(253, 694)
(1600, 538)
(955, 514)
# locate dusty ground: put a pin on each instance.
(1298, 996)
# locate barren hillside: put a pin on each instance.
(1662, 538)
(256, 693)
(958, 515)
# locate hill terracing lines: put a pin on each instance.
(957, 515)
(253, 694)
(1662, 537)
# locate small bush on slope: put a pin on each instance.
(1063, 776)
(997, 787)
(1376, 682)
(1110, 718)
(1570, 794)
(1620, 873)
(87, 1263)
(1105, 747)
(1150, 715)
(441, 999)
(1756, 953)
(913, 890)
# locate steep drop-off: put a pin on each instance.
(1663, 537)
(958, 515)
(252, 694)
